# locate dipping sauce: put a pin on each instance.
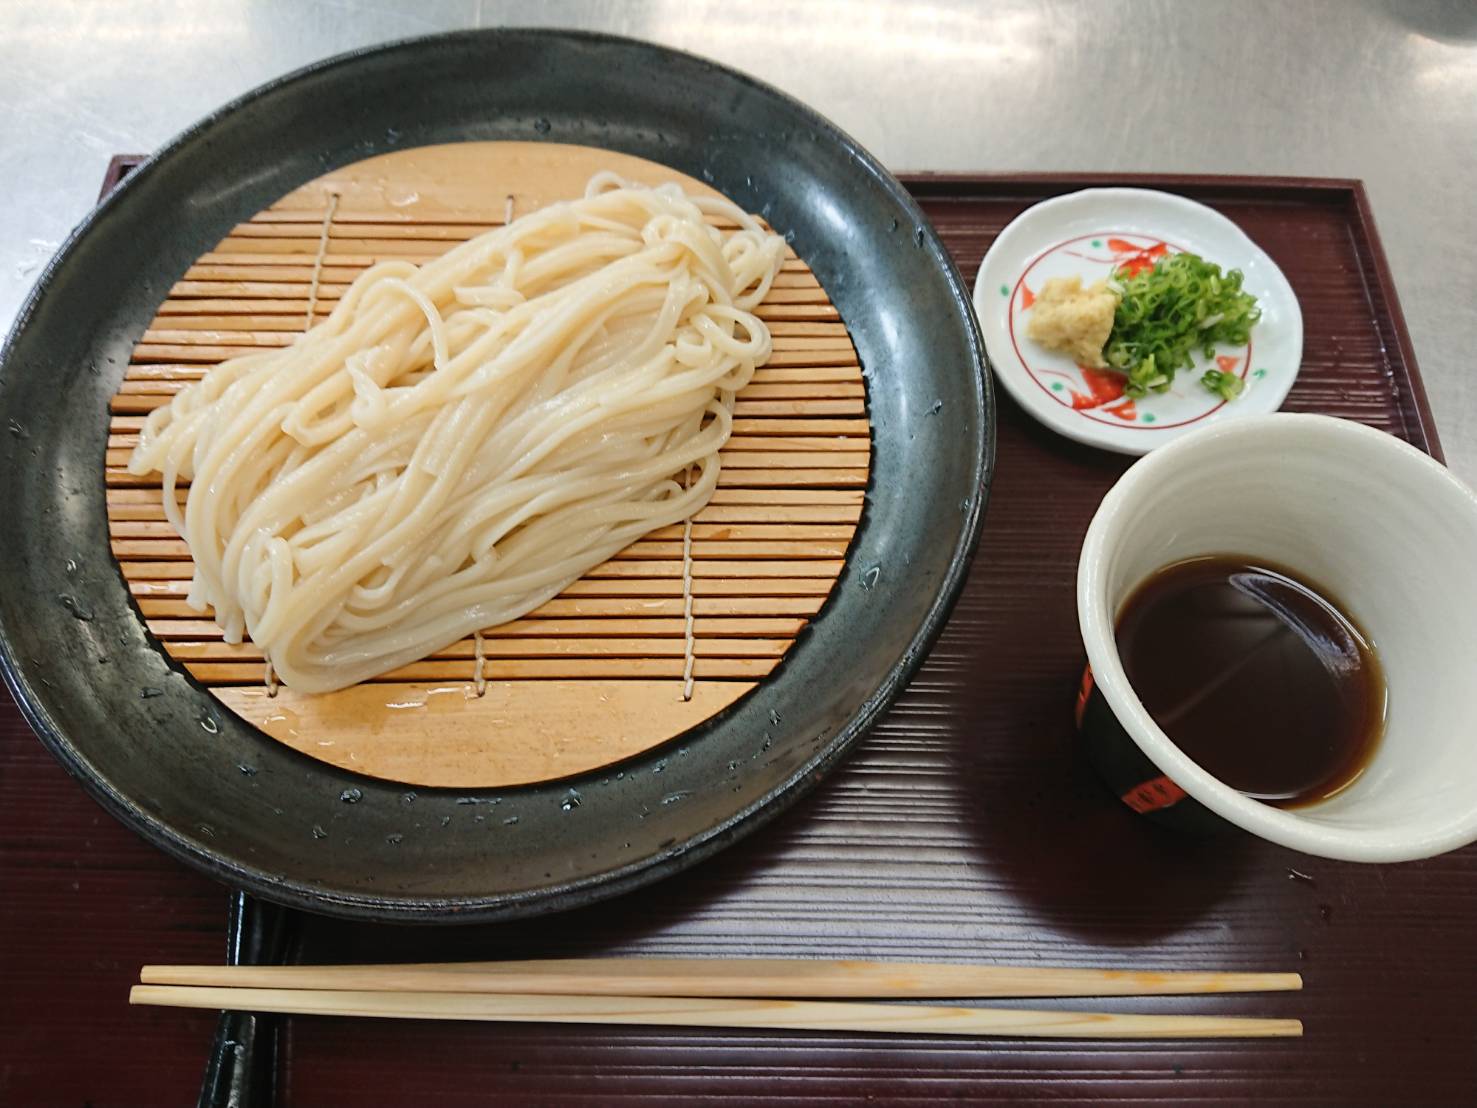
(1256, 674)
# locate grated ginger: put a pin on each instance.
(1074, 320)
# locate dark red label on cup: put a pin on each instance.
(1084, 693)
(1161, 792)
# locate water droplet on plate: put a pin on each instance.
(542, 126)
(869, 578)
(318, 832)
(246, 770)
(673, 798)
(510, 821)
(148, 692)
(78, 609)
(918, 237)
(206, 830)
(774, 717)
(571, 801)
(394, 838)
(18, 431)
(936, 407)
(209, 725)
(351, 796)
(659, 766)
(407, 798)
(71, 565)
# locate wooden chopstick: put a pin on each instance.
(797, 1015)
(724, 977)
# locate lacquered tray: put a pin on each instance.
(965, 827)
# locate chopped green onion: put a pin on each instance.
(1166, 313)
(1225, 385)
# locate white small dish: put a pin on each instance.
(1090, 234)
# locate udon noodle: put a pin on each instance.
(457, 442)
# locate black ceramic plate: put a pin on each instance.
(299, 832)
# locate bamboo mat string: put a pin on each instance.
(319, 259)
(479, 675)
(508, 210)
(269, 674)
(689, 639)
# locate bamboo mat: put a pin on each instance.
(596, 674)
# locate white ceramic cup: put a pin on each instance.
(1391, 534)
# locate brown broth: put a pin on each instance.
(1257, 675)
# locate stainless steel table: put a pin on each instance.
(1379, 89)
